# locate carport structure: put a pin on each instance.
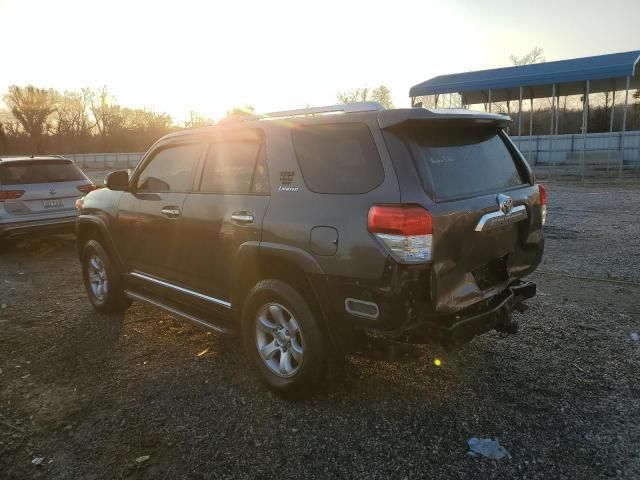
(579, 76)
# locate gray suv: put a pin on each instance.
(301, 230)
(39, 193)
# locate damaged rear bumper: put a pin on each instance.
(457, 329)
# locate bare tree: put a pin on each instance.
(536, 55)
(109, 117)
(197, 120)
(352, 96)
(380, 94)
(241, 111)
(383, 96)
(32, 108)
(72, 114)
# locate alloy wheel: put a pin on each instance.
(279, 340)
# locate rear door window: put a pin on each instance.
(39, 171)
(172, 169)
(462, 161)
(338, 158)
(236, 165)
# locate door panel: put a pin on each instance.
(226, 212)
(149, 217)
(148, 237)
(213, 228)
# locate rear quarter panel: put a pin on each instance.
(293, 214)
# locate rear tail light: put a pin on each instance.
(87, 188)
(10, 195)
(404, 230)
(543, 202)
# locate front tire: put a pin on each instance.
(102, 280)
(284, 339)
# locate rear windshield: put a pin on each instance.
(39, 171)
(462, 161)
(338, 158)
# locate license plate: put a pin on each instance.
(55, 203)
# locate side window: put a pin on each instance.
(172, 169)
(260, 182)
(338, 158)
(235, 166)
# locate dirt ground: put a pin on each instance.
(562, 396)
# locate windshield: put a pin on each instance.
(462, 161)
(39, 171)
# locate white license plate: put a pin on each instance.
(55, 203)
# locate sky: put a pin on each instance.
(209, 56)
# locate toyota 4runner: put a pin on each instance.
(299, 230)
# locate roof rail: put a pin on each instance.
(354, 107)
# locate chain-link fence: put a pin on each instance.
(601, 155)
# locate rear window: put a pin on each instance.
(338, 158)
(39, 171)
(462, 161)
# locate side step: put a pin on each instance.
(180, 314)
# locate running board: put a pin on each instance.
(206, 324)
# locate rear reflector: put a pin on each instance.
(87, 188)
(543, 202)
(404, 230)
(543, 194)
(10, 195)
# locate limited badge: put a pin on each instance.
(286, 181)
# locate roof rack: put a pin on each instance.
(355, 107)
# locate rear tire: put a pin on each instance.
(102, 280)
(284, 339)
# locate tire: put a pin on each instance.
(102, 280)
(294, 333)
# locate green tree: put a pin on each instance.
(31, 107)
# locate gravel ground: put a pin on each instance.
(562, 396)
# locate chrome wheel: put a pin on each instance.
(97, 277)
(279, 340)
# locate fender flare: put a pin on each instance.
(101, 225)
(251, 251)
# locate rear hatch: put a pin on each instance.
(37, 188)
(487, 228)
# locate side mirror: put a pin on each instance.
(118, 180)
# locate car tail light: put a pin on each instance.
(404, 230)
(543, 202)
(87, 188)
(10, 195)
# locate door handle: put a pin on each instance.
(170, 212)
(242, 218)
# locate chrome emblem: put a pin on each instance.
(505, 203)
(52, 191)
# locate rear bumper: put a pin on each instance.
(15, 229)
(463, 326)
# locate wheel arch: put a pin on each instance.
(256, 261)
(95, 228)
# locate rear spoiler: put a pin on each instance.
(406, 116)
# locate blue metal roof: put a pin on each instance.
(606, 72)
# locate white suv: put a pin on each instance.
(39, 193)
